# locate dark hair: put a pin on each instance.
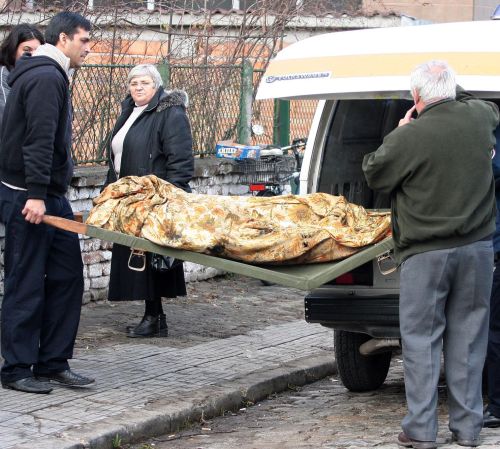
(65, 22)
(18, 34)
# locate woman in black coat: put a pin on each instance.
(151, 136)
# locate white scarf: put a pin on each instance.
(54, 53)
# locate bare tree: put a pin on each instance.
(199, 49)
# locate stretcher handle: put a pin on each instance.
(65, 224)
(387, 256)
(137, 253)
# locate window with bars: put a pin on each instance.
(49, 3)
(221, 4)
(247, 4)
(203, 4)
(42, 4)
(180, 4)
(123, 3)
(339, 6)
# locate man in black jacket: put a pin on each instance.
(43, 265)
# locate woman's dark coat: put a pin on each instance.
(159, 142)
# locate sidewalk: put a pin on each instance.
(151, 386)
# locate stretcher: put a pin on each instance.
(304, 277)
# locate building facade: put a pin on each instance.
(435, 10)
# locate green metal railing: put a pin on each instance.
(221, 107)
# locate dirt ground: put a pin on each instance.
(217, 308)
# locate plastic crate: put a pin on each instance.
(272, 169)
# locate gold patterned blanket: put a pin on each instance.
(291, 229)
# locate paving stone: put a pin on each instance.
(131, 376)
(143, 379)
(5, 416)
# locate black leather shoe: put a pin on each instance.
(464, 442)
(406, 441)
(150, 326)
(490, 420)
(68, 378)
(28, 385)
(132, 328)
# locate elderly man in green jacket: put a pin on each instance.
(437, 169)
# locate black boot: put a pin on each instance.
(150, 326)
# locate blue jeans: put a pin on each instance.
(43, 289)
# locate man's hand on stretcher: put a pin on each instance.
(34, 210)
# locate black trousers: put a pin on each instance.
(493, 355)
(43, 289)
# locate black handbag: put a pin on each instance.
(158, 262)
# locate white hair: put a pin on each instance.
(433, 80)
(146, 70)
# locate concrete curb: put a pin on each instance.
(159, 418)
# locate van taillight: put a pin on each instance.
(257, 187)
(345, 279)
(362, 275)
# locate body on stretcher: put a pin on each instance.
(304, 277)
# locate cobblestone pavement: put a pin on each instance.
(231, 340)
(222, 307)
(322, 415)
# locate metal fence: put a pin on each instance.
(214, 110)
(97, 91)
(218, 97)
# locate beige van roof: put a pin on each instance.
(377, 62)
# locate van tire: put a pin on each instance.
(358, 372)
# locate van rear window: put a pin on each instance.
(357, 128)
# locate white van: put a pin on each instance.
(362, 79)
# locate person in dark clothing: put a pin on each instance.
(23, 38)
(43, 265)
(491, 416)
(437, 169)
(151, 136)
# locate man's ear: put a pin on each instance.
(63, 37)
(415, 96)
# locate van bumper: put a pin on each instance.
(377, 316)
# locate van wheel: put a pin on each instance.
(358, 372)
